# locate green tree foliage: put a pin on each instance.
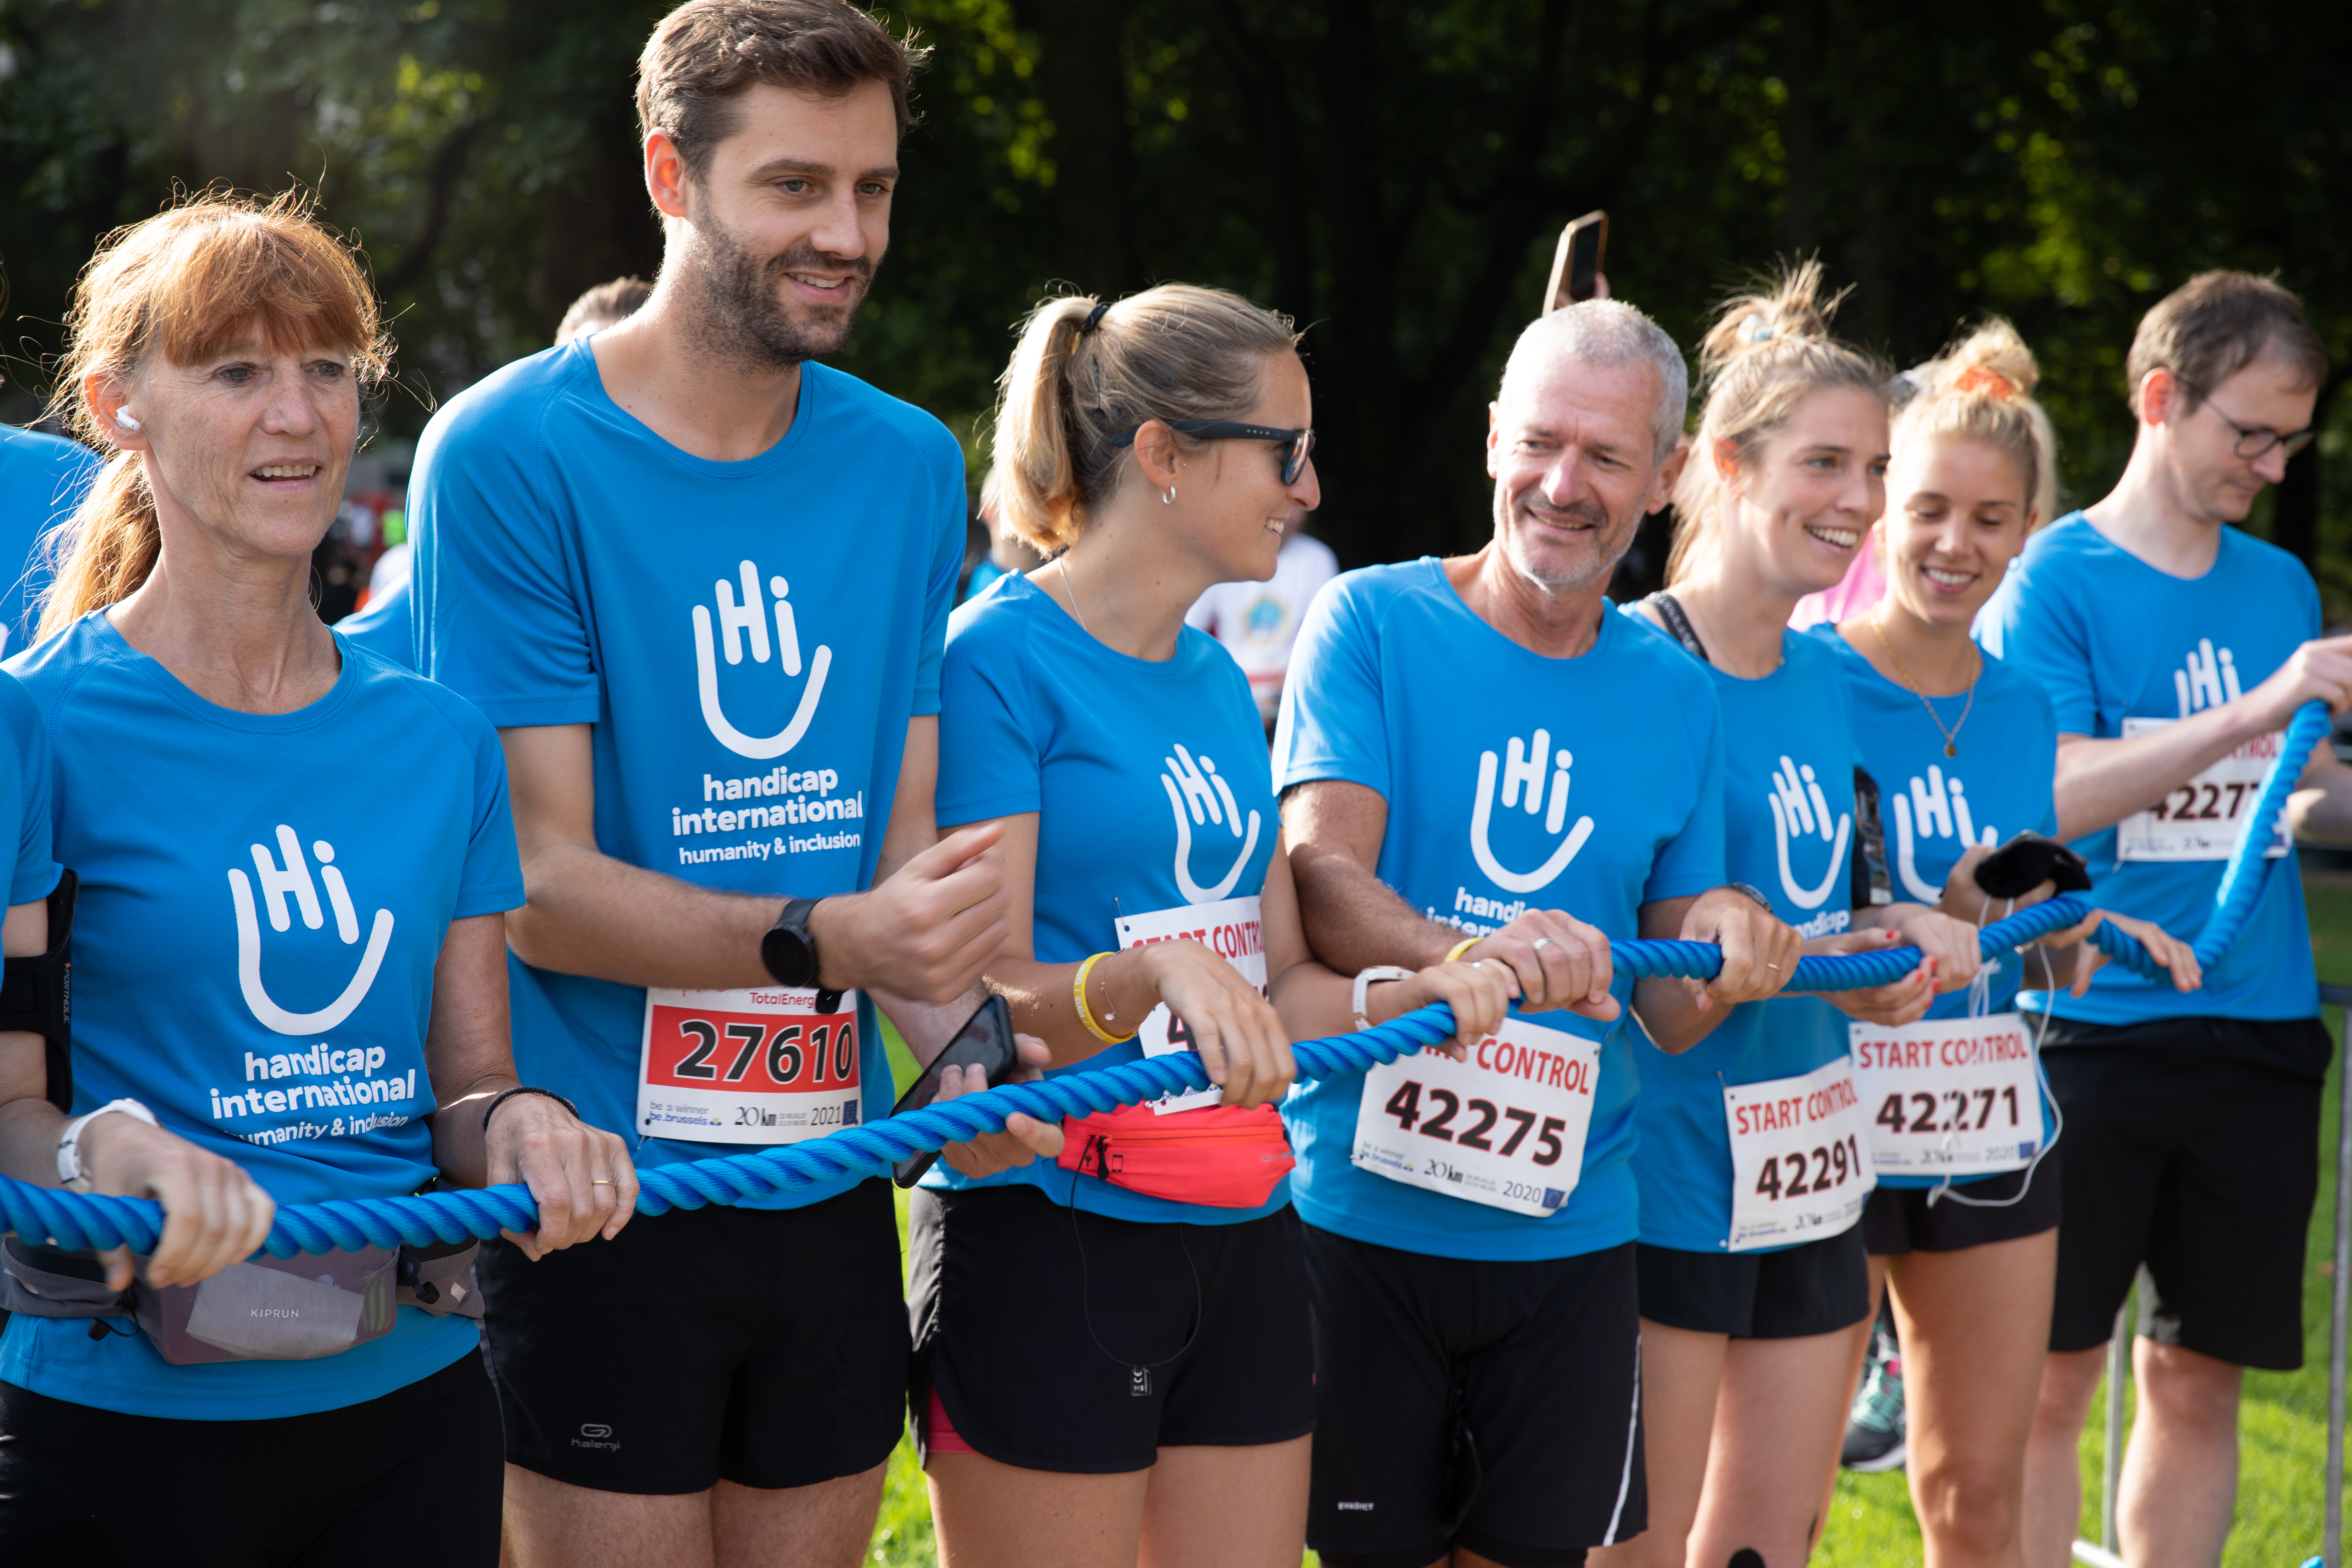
(1392, 174)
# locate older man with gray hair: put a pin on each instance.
(1483, 762)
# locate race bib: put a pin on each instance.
(1504, 1128)
(1949, 1097)
(1229, 929)
(747, 1067)
(1798, 1172)
(2199, 821)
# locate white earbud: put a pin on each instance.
(123, 417)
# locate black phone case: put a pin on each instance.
(909, 1171)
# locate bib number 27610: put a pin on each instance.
(747, 1067)
(1504, 1128)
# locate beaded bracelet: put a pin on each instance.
(1086, 1014)
(1459, 948)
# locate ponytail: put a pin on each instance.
(1768, 352)
(106, 551)
(1085, 373)
(1981, 389)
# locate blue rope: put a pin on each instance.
(75, 1220)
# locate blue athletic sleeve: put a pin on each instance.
(492, 881)
(1691, 861)
(35, 874)
(500, 615)
(2040, 630)
(1334, 721)
(990, 745)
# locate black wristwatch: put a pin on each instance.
(788, 950)
(1761, 901)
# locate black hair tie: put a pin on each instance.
(1093, 316)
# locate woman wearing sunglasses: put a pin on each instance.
(1112, 1356)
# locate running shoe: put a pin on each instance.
(1875, 1431)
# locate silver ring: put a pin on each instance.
(1540, 943)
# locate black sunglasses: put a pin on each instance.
(1299, 443)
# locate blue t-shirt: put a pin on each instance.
(258, 970)
(2109, 637)
(386, 626)
(1398, 686)
(749, 639)
(1933, 807)
(25, 792)
(1035, 715)
(42, 479)
(1789, 832)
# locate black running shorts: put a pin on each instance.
(413, 1476)
(1896, 1220)
(1494, 1406)
(1072, 1343)
(1818, 1288)
(767, 1347)
(2192, 1149)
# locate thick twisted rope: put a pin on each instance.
(75, 1220)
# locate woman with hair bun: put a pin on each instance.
(1112, 1351)
(1750, 1263)
(1966, 750)
(290, 961)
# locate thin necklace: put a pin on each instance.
(1061, 565)
(1951, 735)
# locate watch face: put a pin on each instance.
(790, 956)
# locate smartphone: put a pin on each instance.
(2027, 861)
(984, 1041)
(1577, 262)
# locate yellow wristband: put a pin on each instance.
(1459, 948)
(1086, 1014)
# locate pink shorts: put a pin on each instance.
(940, 1433)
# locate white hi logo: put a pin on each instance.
(295, 877)
(1933, 807)
(2205, 681)
(1799, 808)
(735, 621)
(1526, 769)
(1196, 796)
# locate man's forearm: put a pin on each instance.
(2100, 782)
(594, 915)
(1354, 921)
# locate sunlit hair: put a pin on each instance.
(605, 305)
(1176, 351)
(2216, 324)
(183, 286)
(1981, 389)
(1608, 333)
(1768, 352)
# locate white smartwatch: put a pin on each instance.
(70, 1171)
(1364, 982)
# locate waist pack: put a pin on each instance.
(266, 1309)
(1225, 1156)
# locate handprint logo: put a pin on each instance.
(294, 877)
(748, 621)
(1198, 796)
(1523, 768)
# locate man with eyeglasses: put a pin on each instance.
(2176, 647)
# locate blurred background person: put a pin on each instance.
(1259, 622)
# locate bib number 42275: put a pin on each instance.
(1504, 1128)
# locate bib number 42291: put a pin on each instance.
(1798, 1170)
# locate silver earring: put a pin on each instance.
(1169, 499)
(122, 417)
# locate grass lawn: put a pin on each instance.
(2283, 1425)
